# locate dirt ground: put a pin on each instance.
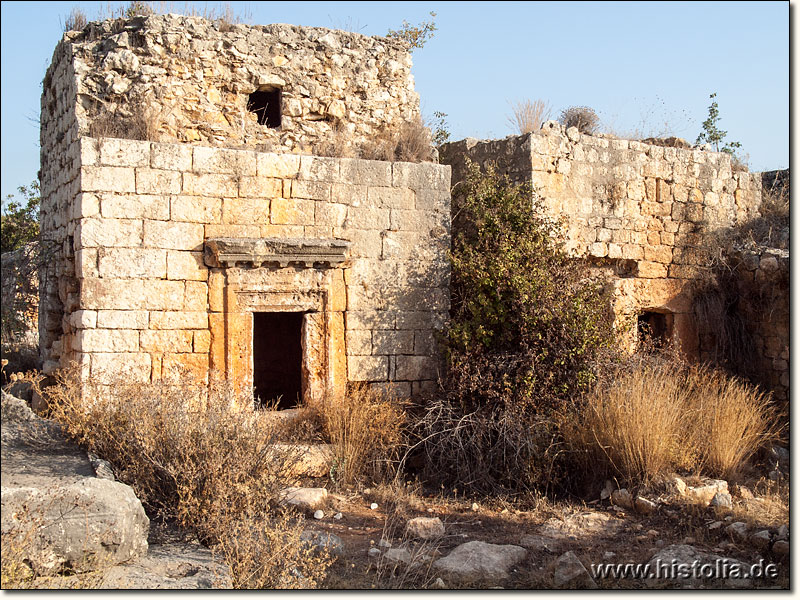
(633, 538)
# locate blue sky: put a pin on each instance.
(639, 65)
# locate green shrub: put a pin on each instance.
(527, 330)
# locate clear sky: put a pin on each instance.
(638, 64)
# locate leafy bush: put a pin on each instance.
(19, 221)
(712, 134)
(416, 36)
(527, 329)
(582, 117)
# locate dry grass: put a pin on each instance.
(366, 431)
(636, 424)
(189, 454)
(76, 20)
(662, 416)
(408, 142)
(204, 457)
(417, 572)
(269, 554)
(528, 116)
(582, 117)
(136, 121)
(338, 143)
(734, 420)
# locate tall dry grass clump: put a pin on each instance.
(636, 424)
(734, 419)
(528, 116)
(201, 456)
(365, 429)
(659, 416)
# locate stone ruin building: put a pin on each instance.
(219, 243)
(222, 242)
(642, 215)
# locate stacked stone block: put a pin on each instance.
(146, 303)
(623, 199)
(762, 278)
(640, 213)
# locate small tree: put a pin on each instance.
(414, 35)
(527, 329)
(712, 134)
(440, 130)
(19, 220)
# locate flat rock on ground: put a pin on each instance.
(666, 565)
(304, 498)
(480, 561)
(60, 513)
(170, 566)
(425, 528)
(570, 573)
(580, 525)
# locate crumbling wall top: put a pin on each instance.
(272, 87)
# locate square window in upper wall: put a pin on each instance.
(266, 104)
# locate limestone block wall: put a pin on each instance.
(177, 78)
(636, 210)
(59, 184)
(762, 280)
(146, 302)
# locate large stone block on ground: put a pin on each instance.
(54, 509)
(475, 561)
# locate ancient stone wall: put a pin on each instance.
(148, 301)
(638, 212)
(761, 278)
(176, 78)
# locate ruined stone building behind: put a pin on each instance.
(645, 216)
(217, 242)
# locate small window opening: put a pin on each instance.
(277, 359)
(266, 104)
(655, 329)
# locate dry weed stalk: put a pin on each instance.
(270, 554)
(190, 453)
(414, 573)
(529, 116)
(366, 431)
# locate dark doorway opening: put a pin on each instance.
(277, 359)
(266, 104)
(655, 329)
